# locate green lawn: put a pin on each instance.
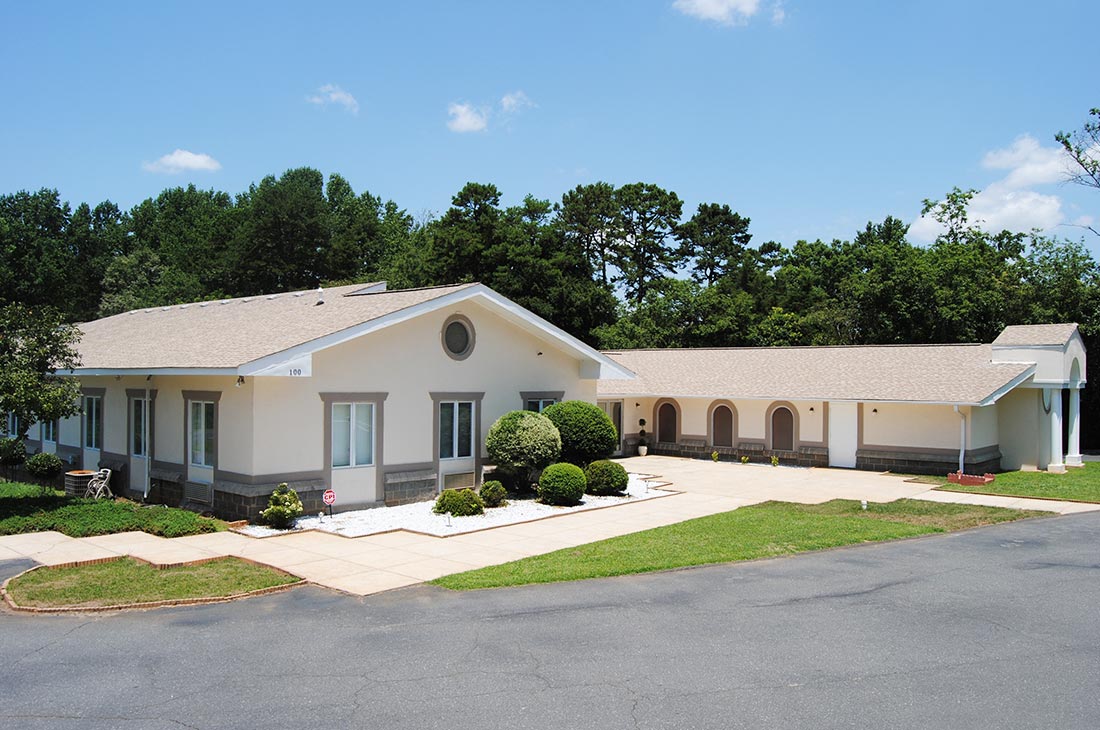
(760, 531)
(1079, 483)
(29, 508)
(130, 581)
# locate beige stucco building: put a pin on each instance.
(384, 396)
(912, 408)
(387, 396)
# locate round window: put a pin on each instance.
(458, 337)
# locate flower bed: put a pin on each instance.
(420, 518)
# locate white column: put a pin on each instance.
(1073, 454)
(1055, 464)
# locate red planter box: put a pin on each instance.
(970, 480)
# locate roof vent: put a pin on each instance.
(299, 293)
(271, 296)
(204, 304)
(320, 297)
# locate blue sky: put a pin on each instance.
(810, 117)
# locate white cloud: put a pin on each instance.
(779, 13)
(1028, 163)
(333, 94)
(515, 101)
(724, 12)
(182, 161)
(1010, 203)
(467, 118)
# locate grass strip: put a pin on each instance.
(1080, 484)
(760, 531)
(131, 581)
(30, 508)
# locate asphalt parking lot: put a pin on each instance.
(990, 628)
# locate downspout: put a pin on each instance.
(148, 410)
(962, 439)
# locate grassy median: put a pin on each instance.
(1080, 484)
(128, 581)
(760, 531)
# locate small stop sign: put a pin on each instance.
(329, 497)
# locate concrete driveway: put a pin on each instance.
(752, 483)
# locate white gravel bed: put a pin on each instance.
(420, 518)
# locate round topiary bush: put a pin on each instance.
(493, 494)
(561, 484)
(283, 507)
(44, 466)
(459, 502)
(12, 451)
(605, 477)
(523, 440)
(587, 434)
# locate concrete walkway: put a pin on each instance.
(366, 565)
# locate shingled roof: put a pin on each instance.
(1035, 335)
(231, 332)
(958, 374)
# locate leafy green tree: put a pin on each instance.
(588, 216)
(34, 344)
(976, 274)
(283, 241)
(36, 264)
(889, 291)
(779, 329)
(714, 239)
(1083, 147)
(647, 217)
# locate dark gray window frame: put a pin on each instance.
(133, 394)
(100, 393)
(556, 395)
(203, 396)
(469, 331)
(378, 400)
(443, 397)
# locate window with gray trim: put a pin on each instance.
(456, 429)
(458, 337)
(49, 431)
(352, 434)
(204, 433)
(93, 422)
(538, 405)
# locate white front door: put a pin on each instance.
(843, 434)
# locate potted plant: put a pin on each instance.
(643, 442)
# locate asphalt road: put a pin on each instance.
(992, 628)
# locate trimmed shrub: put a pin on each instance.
(605, 477)
(459, 502)
(283, 507)
(523, 440)
(561, 484)
(493, 494)
(44, 466)
(587, 434)
(12, 451)
(516, 479)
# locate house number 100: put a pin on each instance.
(295, 372)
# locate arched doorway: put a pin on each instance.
(666, 424)
(722, 426)
(782, 429)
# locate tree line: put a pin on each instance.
(618, 267)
